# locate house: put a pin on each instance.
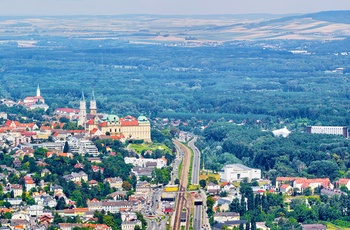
(213, 188)
(227, 186)
(343, 182)
(76, 177)
(130, 225)
(14, 201)
(16, 188)
(97, 169)
(301, 184)
(35, 210)
(286, 188)
(66, 226)
(45, 172)
(285, 180)
(226, 216)
(28, 183)
(128, 216)
(113, 206)
(114, 182)
(332, 192)
(237, 172)
(313, 227)
(229, 224)
(93, 183)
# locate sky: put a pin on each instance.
(166, 7)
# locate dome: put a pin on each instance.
(112, 118)
(142, 119)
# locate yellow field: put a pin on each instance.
(205, 175)
(192, 187)
(171, 189)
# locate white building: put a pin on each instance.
(237, 172)
(281, 132)
(333, 130)
(161, 162)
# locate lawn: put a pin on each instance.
(205, 175)
(148, 146)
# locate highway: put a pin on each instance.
(196, 161)
(197, 217)
(181, 197)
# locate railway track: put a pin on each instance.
(181, 198)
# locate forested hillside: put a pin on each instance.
(237, 80)
(301, 154)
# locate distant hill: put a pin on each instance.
(342, 16)
(331, 16)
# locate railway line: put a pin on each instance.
(181, 201)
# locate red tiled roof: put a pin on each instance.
(94, 130)
(129, 121)
(343, 181)
(284, 186)
(90, 122)
(103, 124)
(289, 178)
(67, 110)
(120, 136)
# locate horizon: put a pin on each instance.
(165, 8)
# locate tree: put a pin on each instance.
(324, 168)
(126, 186)
(137, 227)
(307, 191)
(203, 183)
(66, 147)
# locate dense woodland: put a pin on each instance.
(237, 80)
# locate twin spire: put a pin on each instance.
(82, 95)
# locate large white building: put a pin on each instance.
(237, 172)
(144, 162)
(333, 130)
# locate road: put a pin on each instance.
(197, 217)
(181, 197)
(196, 161)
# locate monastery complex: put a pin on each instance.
(125, 128)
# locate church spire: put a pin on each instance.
(93, 105)
(82, 96)
(38, 91)
(82, 112)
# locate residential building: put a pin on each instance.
(343, 182)
(213, 188)
(114, 182)
(286, 188)
(333, 130)
(313, 227)
(130, 225)
(142, 162)
(237, 172)
(226, 216)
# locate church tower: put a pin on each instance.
(38, 91)
(82, 112)
(93, 106)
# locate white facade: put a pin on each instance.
(237, 172)
(161, 162)
(333, 130)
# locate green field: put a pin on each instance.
(148, 146)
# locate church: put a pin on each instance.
(127, 128)
(36, 102)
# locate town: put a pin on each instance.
(81, 170)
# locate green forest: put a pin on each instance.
(243, 81)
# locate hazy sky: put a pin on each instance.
(166, 7)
